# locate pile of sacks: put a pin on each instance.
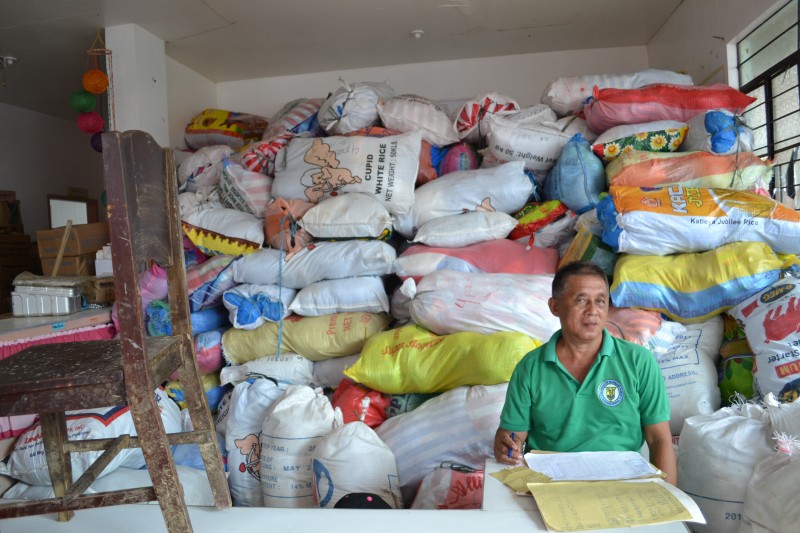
(366, 270)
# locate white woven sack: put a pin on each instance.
(784, 416)
(566, 95)
(352, 107)
(468, 416)
(698, 137)
(504, 188)
(770, 503)
(400, 306)
(230, 223)
(538, 145)
(27, 461)
(287, 368)
(358, 294)
(409, 112)
(196, 490)
(534, 114)
(384, 167)
(248, 407)
(234, 299)
(455, 231)
(292, 429)
(352, 458)
(347, 216)
(690, 372)
(192, 202)
(447, 301)
(203, 167)
(330, 372)
(716, 456)
(244, 189)
(316, 262)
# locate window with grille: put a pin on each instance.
(767, 62)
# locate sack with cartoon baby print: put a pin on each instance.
(384, 167)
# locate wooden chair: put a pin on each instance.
(50, 379)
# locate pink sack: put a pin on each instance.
(495, 256)
(661, 101)
(153, 286)
(451, 486)
(208, 351)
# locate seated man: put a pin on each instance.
(585, 390)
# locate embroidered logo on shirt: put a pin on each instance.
(610, 392)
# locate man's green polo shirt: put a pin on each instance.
(622, 392)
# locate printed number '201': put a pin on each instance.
(733, 516)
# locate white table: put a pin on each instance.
(499, 497)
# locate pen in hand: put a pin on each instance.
(511, 448)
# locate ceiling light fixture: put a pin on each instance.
(417, 34)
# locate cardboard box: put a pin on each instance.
(71, 265)
(83, 239)
(99, 290)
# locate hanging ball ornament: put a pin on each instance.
(97, 141)
(90, 122)
(82, 101)
(95, 81)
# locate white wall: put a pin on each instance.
(42, 154)
(694, 38)
(188, 93)
(139, 84)
(522, 77)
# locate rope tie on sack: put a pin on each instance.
(292, 233)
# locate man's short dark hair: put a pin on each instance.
(576, 268)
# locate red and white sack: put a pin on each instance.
(316, 262)
(661, 101)
(27, 461)
(716, 457)
(244, 189)
(538, 145)
(352, 107)
(450, 487)
(292, 428)
(352, 458)
(472, 121)
(246, 411)
(409, 112)
(384, 167)
(504, 188)
(690, 372)
(292, 115)
(566, 95)
(447, 302)
(495, 256)
(260, 155)
(771, 320)
(468, 416)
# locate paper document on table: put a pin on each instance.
(581, 505)
(518, 477)
(591, 466)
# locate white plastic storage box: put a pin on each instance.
(45, 299)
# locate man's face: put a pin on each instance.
(583, 308)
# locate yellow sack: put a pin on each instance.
(411, 359)
(693, 287)
(315, 338)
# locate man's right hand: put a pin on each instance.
(503, 444)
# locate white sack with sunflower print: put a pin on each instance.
(658, 136)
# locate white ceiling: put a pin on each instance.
(228, 40)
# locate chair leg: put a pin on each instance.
(160, 465)
(54, 436)
(200, 414)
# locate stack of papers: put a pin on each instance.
(600, 490)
